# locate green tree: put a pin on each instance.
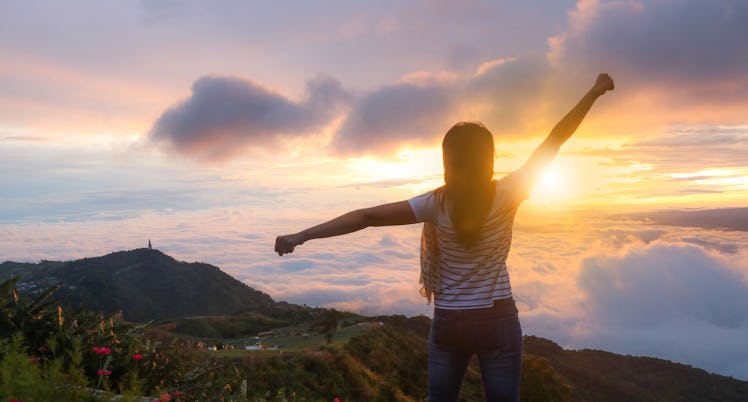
(328, 324)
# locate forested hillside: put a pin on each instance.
(143, 284)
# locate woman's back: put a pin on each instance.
(476, 275)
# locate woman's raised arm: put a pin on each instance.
(393, 214)
(561, 132)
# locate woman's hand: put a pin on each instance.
(603, 84)
(286, 243)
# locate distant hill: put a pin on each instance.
(596, 375)
(143, 284)
(397, 353)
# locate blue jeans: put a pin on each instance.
(493, 334)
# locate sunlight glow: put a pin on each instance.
(552, 186)
(420, 167)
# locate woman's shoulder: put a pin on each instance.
(513, 187)
(425, 206)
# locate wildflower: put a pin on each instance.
(137, 356)
(34, 359)
(336, 399)
(104, 372)
(102, 350)
(163, 398)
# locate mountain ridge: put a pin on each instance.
(143, 284)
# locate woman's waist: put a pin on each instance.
(499, 307)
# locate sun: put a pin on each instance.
(552, 186)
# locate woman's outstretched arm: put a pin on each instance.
(567, 126)
(396, 213)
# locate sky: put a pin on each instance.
(211, 128)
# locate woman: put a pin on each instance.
(466, 239)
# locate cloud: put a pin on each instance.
(660, 282)
(653, 299)
(24, 139)
(633, 287)
(406, 113)
(418, 110)
(382, 183)
(681, 59)
(715, 147)
(722, 218)
(511, 96)
(522, 94)
(675, 62)
(671, 41)
(725, 248)
(225, 115)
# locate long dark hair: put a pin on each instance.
(468, 192)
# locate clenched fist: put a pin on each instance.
(603, 84)
(286, 243)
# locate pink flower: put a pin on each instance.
(336, 399)
(102, 350)
(163, 398)
(137, 356)
(15, 400)
(104, 372)
(34, 359)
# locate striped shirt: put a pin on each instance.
(475, 277)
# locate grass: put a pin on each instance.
(292, 339)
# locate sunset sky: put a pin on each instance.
(212, 127)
